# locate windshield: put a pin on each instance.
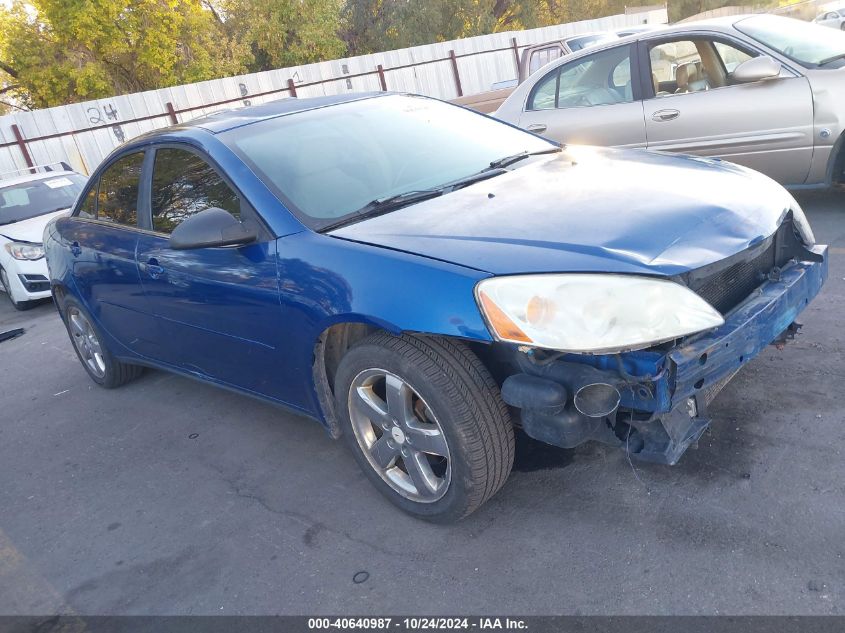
(806, 43)
(37, 197)
(329, 162)
(580, 43)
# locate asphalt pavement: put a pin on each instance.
(169, 496)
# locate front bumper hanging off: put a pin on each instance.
(663, 395)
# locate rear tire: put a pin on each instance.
(87, 341)
(426, 423)
(18, 305)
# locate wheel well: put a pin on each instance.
(836, 176)
(337, 339)
(330, 348)
(59, 297)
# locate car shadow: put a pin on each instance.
(531, 455)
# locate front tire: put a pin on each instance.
(98, 361)
(7, 287)
(426, 423)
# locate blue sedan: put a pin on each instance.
(422, 280)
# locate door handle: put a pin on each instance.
(538, 128)
(76, 249)
(665, 115)
(153, 269)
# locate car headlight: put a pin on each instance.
(24, 250)
(800, 222)
(592, 313)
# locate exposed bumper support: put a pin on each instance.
(665, 395)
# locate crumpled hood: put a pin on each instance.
(31, 230)
(590, 210)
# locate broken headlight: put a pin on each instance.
(591, 313)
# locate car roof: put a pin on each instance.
(49, 175)
(589, 34)
(724, 21)
(230, 119)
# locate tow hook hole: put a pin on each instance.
(742, 359)
(699, 384)
(702, 359)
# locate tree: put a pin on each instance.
(562, 11)
(680, 9)
(377, 25)
(60, 51)
(281, 33)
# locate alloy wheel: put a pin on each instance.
(400, 436)
(86, 342)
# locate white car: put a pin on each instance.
(833, 19)
(27, 204)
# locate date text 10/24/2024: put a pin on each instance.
(418, 624)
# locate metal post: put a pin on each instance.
(515, 47)
(381, 78)
(172, 112)
(22, 145)
(291, 87)
(457, 74)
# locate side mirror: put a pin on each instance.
(211, 228)
(756, 69)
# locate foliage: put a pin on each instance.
(680, 9)
(376, 25)
(59, 51)
(283, 32)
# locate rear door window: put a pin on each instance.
(118, 193)
(88, 208)
(603, 78)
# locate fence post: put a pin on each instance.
(22, 145)
(171, 111)
(515, 47)
(457, 74)
(291, 87)
(381, 78)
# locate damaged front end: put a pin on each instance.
(653, 402)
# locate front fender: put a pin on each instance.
(337, 280)
(324, 281)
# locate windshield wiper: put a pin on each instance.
(380, 206)
(832, 58)
(496, 168)
(515, 158)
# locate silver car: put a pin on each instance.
(763, 91)
(833, 19)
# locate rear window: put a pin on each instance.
(118, 194)
(39, 197)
